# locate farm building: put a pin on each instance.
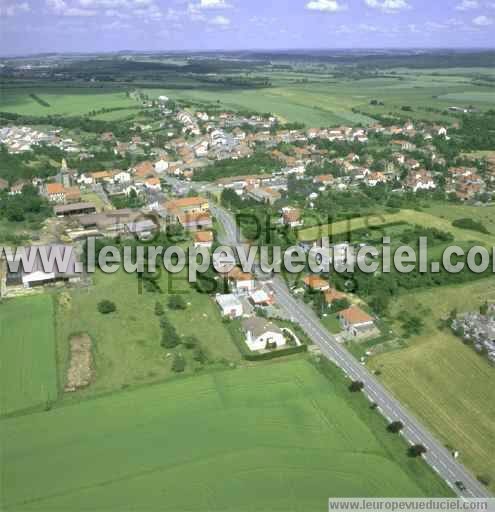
(74, 209)
(23, 268)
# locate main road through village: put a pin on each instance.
(437, 456)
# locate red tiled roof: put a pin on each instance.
(55, 188)
(355, 315)
(315, 282)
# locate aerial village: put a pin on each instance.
(164, 187)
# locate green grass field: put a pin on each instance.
(127, 347)
(116, 114)
(327, 100)
(28, 374)
(324, 100)
(69, 101)
(485, 215)
(404, 216)
(92, 197)
(445, 383)
(276, 437)
(469, 97)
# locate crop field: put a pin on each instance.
(28, 374)
(273, 100)
(323, 100)
(279, 437)
(404, 216)
(127, 348)
(444, 382)
(60, 101)
(329, 101)
(476, 97)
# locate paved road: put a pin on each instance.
(438, 457)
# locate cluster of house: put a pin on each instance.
(217, 143)
(465, 183)
(478, 329)
(248, 296)
(190, 126)
(354, 321)
(192, 213)
(18, 139)
(67, 187)
(208, 138)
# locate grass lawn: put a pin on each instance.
(28, 373)
(445, 383)
(332, 323)
(272, 437)
(485, 215)
(407, 216)
(69, 101)
(126, 343)
(91, 197)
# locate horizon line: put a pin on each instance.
(252, 50)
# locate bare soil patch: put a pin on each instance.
(80, 369)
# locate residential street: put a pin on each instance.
(438, 457)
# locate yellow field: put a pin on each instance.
(445, 383)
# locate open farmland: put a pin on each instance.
(471, 97)
(329, 100)
(248, 439)
(445, 383)
(63, 101)
(314, 99)
(283, 102)
(404, 216)
(28, 375)
(127, 343)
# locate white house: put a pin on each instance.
(420, 180)
(260, 298)
(153, 184)
(442, 132)
(201, 149)
(262, 334)
(122, 177)
(203, 116)
(230, 305)
(242, 282)
(161, 165)
(84, 179)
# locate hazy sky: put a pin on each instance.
(28, 26)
